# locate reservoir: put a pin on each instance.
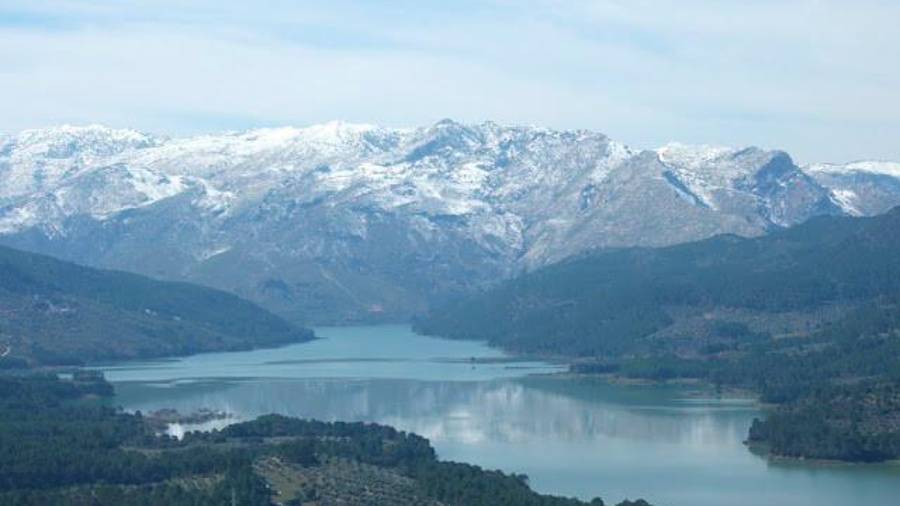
(583, 437)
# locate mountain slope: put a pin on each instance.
(808, 318)
(860, 188)
(56, 312)
(680, 298)
(341, 222)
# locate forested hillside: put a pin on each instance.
(54, 312)
(808, 317)
(58, 447)
(723, 290)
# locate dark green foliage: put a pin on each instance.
(301, 452)
(112, 495)
(54, 312)
(838, 388)
(449, 482)
(241, 486)
(464, 484)
(604, 309)
(849, 422)
(56, 448)
(368, 443)
(607, 302)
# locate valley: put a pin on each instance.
(728, 269)
(479, 253)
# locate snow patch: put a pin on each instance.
(846, 199)
(871, 166)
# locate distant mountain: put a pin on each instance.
(861, 188)
(341, 222)
(54, 312)
(690, 299)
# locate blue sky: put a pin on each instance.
(817, 78)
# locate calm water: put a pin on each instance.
(571, 436)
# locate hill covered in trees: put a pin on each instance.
(809, 317)
(56, 447)
(722, 290)
(55, 312)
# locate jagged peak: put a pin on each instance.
(722, 160)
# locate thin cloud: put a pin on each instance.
(814, 77)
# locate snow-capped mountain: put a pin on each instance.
(338, 222)
(861, 188)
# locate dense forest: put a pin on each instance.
(837, 390)
(54, 312)
(59, 445)
(808, 317)
(636, 300)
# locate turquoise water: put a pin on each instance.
(570, 436)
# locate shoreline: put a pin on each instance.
(761, 449)
(171, 358)
(701, 388)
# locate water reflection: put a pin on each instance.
(507, 411)
(571, 436)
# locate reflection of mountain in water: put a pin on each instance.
(500, 411)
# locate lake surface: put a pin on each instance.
(576, 437)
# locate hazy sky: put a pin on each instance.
(820, 79)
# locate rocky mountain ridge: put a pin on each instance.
(343, 222)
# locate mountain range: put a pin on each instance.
(344, 222)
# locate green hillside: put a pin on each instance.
(713, 292)
(55, 312)
(809, 318)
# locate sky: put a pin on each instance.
(820, 79)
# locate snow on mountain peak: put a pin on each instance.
(446, 168)
(691, 156)
(38, 160)
(362, 214)
(861, 188)
(68, 140)
(877, 167)
(330, 133)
